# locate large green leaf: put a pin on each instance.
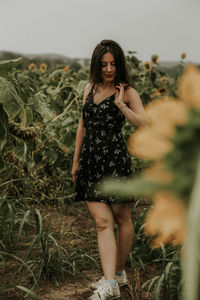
(6, 66)
(2, 163)
(29, 116)
(20, 150)
(3, 126)
(41, 107)
(53, 92)
(130, 187)
(81, 86)
(69, 139)
(12, 103)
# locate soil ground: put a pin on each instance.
(77, 231)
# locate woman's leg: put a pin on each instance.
(103, 217)
(125, 233)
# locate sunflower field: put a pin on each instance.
(40, 107)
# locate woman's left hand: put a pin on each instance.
(119, 97)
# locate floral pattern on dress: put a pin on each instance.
(103, 153)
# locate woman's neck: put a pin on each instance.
(106, 85)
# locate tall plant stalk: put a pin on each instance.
(190, 256)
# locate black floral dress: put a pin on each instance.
(103, 153)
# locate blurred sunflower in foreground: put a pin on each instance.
(172, 143)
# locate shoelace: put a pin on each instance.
(104, 288)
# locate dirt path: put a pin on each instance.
(76, 232)
(79, 229)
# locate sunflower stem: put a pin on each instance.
(190, 256)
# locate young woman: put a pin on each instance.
(101, 151)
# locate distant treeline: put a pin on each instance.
(171, 68)
(50, 59)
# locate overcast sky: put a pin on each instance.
(74, 27)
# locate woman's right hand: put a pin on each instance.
(74, 170)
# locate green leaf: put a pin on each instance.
(40, 105)
(12, 103)
(129, 187)
(69, 139)
(53, 92)
(21, 261)
(20, 287)
(20, 150)
(3, 134)
(67, 121)
(6, 66)
(26, 216)
(29, 116)
(29, 292)
(6, 287)
(2, 163)
(81, 86)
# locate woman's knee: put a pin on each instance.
(121, 220)
(122, 215)
(102, 215)
(103, 223)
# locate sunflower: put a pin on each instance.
(162, 90)
(43, 67)
(166, 219)
(147, 66)
(157, 172)
(189, 86)
(183, 55)
(148, 144)
(65, 69)
(152, 142)
(32, 67)
(154, 58)
(164, 79)
(154, 94)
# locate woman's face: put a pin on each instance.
(108, 68)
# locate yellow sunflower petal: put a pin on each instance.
(32, 67)
(189, 86)
(147, 66)
(157, 172)
(148, 144)
(165, 114)
(167, 219)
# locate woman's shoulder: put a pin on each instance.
(87, 90)
(88, 87)
(130, 93)
(128, 89)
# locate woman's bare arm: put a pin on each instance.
(131, 106)
(79, 137)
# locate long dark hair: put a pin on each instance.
(120, 62)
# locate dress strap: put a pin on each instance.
(89, 95)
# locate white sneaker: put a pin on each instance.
(105, 292)
(121, 280)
